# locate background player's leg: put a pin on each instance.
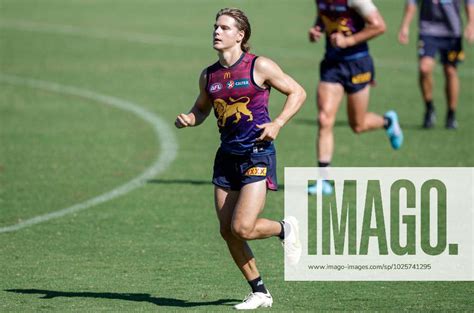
(452, 93)
(426, 66)
(329, 97)
(328, 100)
(359, 119)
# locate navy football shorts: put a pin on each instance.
(450, 49)
(353, 75)
(234, 171)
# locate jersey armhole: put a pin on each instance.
(207, 79)
(252, 78)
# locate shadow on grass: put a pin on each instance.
(137, 297)
(189, 182)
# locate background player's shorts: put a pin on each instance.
(353, 75)
(234, 171)
(450, 49)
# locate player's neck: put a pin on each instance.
(228, 58)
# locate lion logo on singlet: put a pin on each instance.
(236, 107)
(339, 25)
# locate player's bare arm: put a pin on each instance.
(200, 110)
(374, 26)
(469, 30)
(404, 32)
(268, 73)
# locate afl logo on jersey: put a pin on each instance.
(215, 87)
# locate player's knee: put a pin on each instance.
(242, 230)
(357, 127)
(324, 120)
(425, 69)
(450, 70)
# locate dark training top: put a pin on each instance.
(440, 18)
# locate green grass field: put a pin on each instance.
(157, 245)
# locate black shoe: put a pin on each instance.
(430, 119)
(451, 122)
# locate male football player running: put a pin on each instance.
(237, 86)
(347, 68)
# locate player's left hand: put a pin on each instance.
(338, 40)
(270, 131)
(315, 33)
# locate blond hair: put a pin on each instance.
(241, 22)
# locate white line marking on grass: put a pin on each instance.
(166, 139)
(393, 64)
(97, 33)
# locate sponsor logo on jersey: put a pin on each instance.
(238, 83)
(230, 84)
(256, 171)
(227, 75)
(362, 78)
(215, 87)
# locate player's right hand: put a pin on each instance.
(469, 32)
(183, 120)
(403, 36)
(315, 34)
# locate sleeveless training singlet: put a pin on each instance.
(338, 16)
(239, 105)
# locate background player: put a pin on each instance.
(440, 31)
(347, 68)
(238, 88)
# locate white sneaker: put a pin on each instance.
(292, 242)
(255, 300)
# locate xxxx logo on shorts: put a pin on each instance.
(256, 171)
(362, 78)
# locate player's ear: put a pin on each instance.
(240, 35)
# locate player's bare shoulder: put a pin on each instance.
(265, 65)
(265, 69)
